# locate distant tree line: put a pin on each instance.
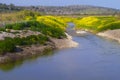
(9, 8)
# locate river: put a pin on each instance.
(95, 58)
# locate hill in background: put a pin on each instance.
(77, 10)
(62, 10)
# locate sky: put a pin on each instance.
(102, 3)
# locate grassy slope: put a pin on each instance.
(97, 24)
(47, 25)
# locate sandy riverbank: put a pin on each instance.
(64, 43)
(112, 34)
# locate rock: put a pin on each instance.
(17, 33)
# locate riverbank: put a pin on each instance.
(32, 50)
(64, 43)
(112, 34)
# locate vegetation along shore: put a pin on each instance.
(33, 35)
(25, 32)
(107, 26)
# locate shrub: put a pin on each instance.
(2, 29)
(16, 26)
(6, 46)
(9, 26)
(29, 40)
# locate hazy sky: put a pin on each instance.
(104, 3)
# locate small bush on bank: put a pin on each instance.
(2, 29)
(6, 46)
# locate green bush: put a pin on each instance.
(6, 46)
(32, 23)
(15, 26)
(19, 26)
(33, 39)
(9, 26)
(2, 29)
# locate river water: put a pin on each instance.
(95, 58)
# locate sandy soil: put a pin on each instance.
(112, 34)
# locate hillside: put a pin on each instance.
(77, 10)
(62, 10)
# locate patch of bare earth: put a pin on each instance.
(113, 34)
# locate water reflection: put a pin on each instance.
(10, 66)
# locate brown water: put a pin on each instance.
(95, 58)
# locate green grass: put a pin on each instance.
(6, 46)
